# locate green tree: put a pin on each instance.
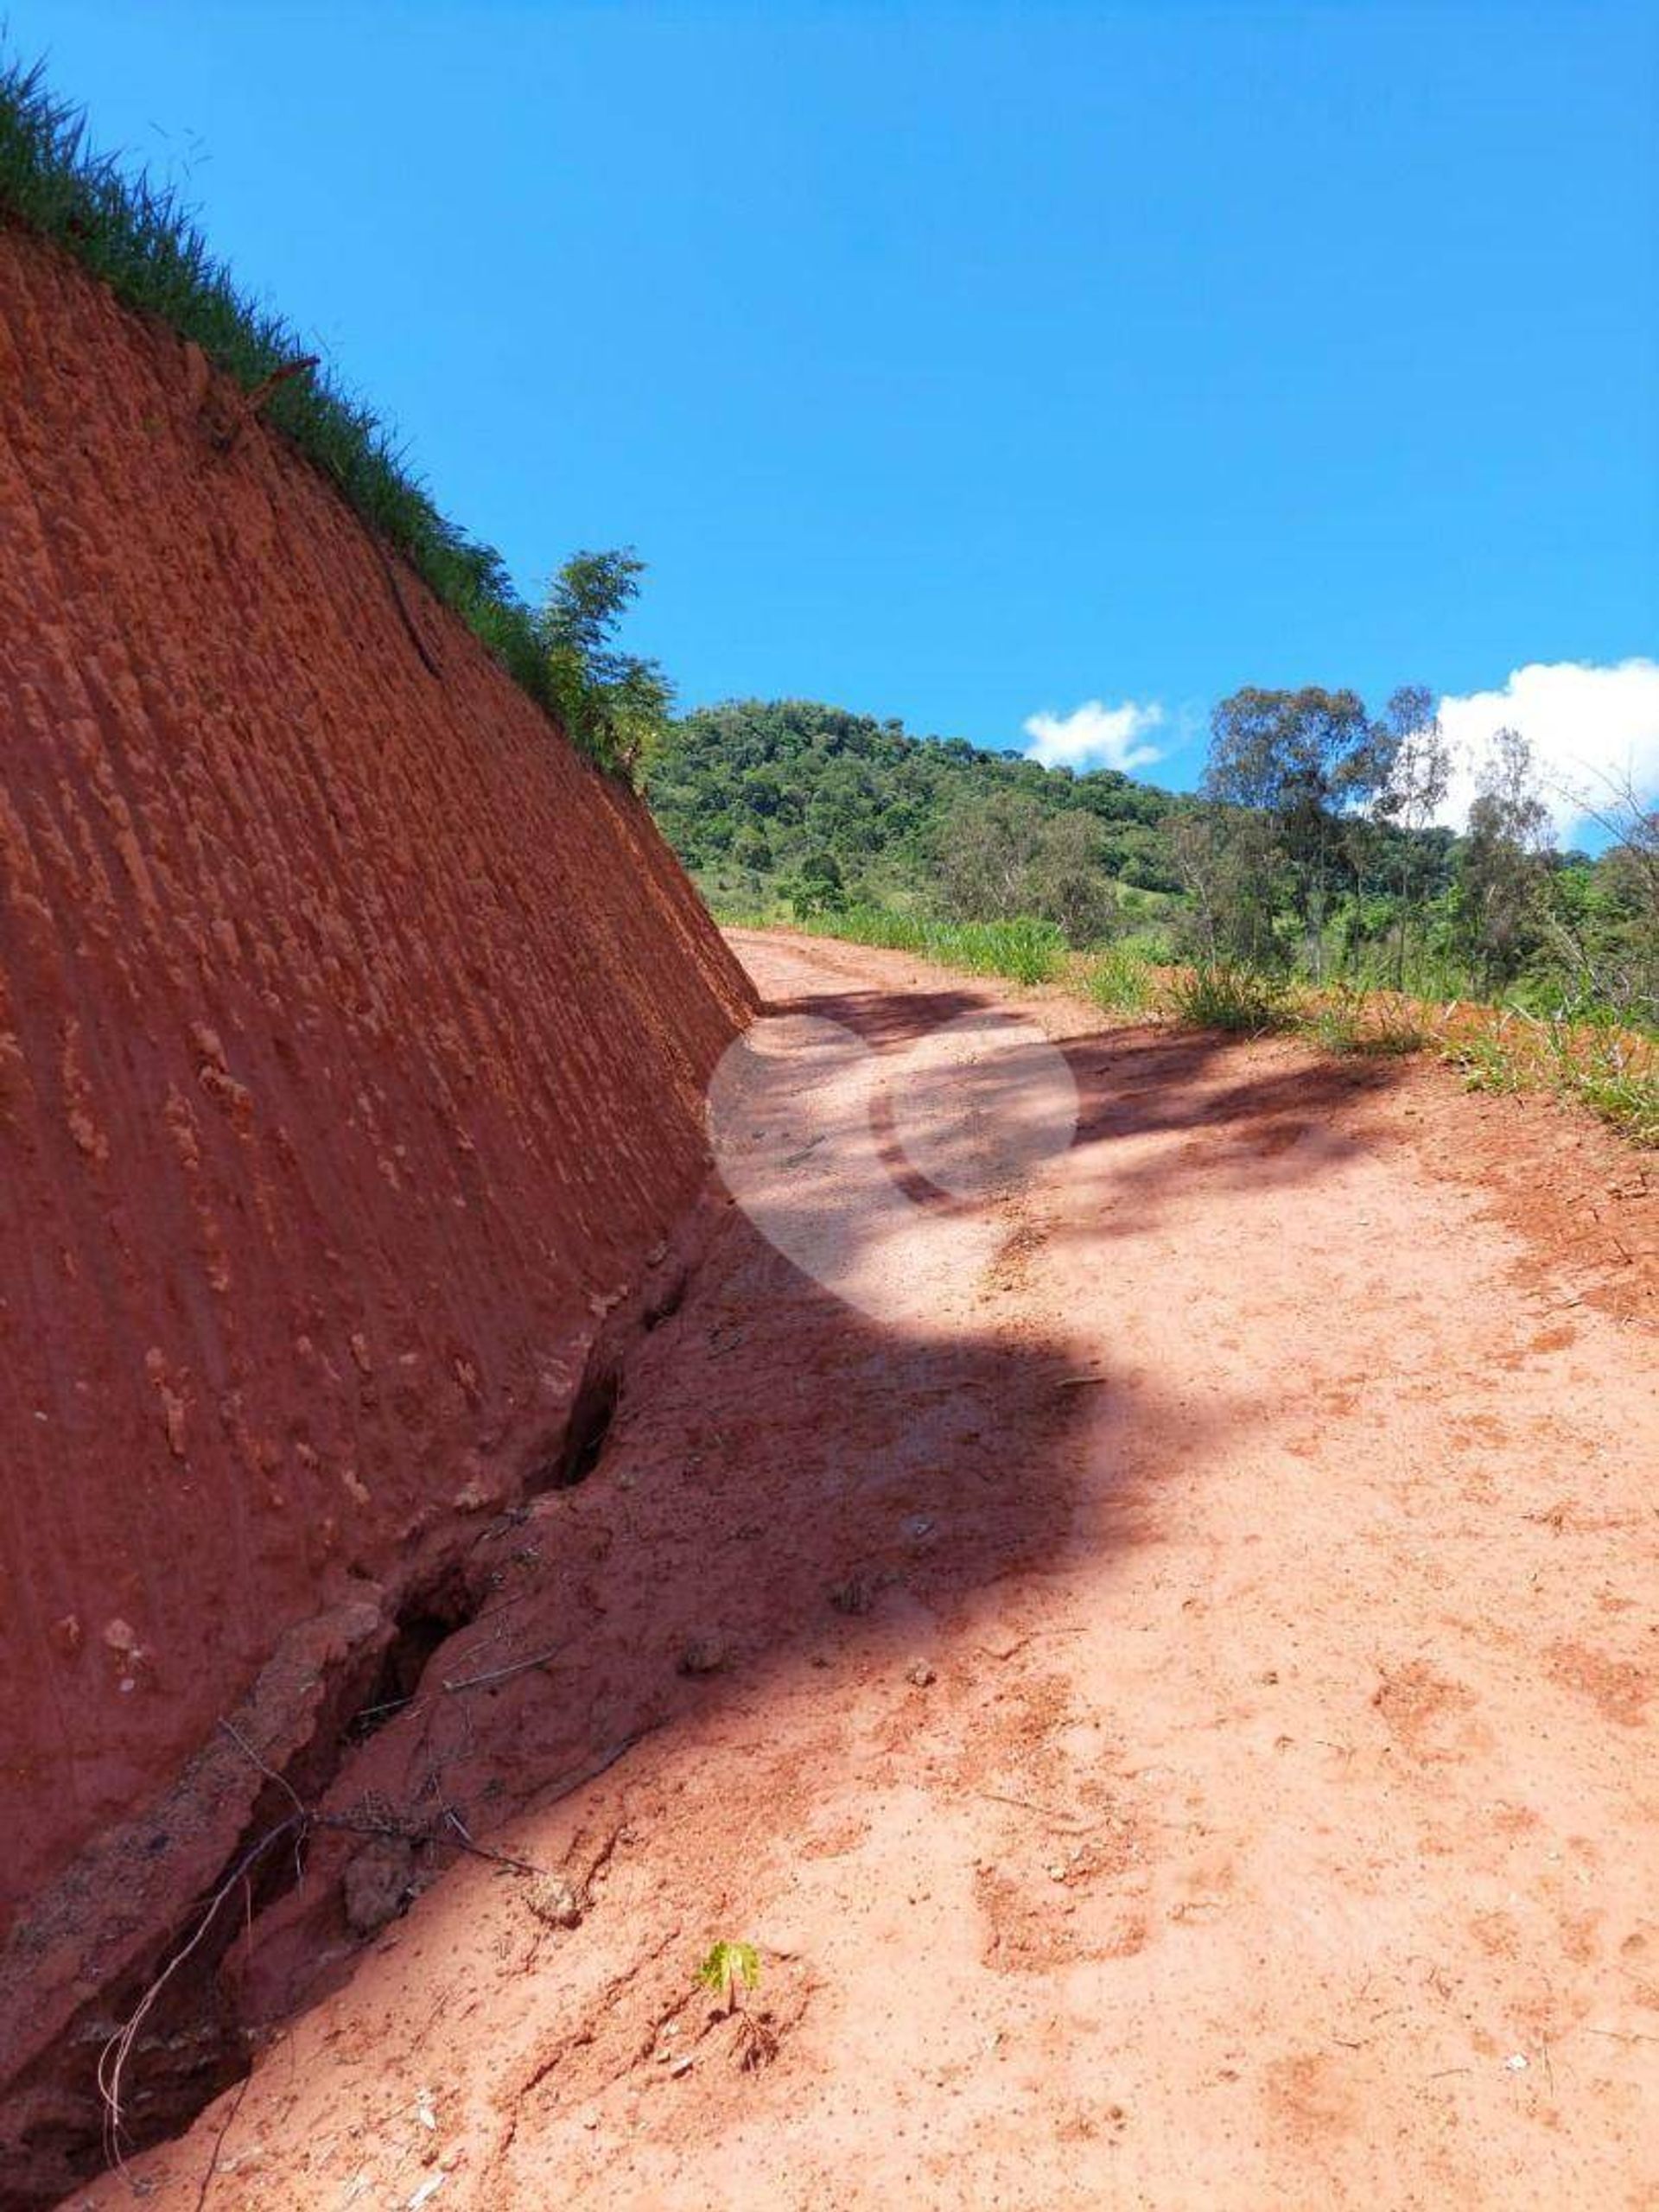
(1502, 875)
(985, 848)
(751, 850)
(1605, 915)
(1415, 764)
(819, 888)
(1304, 759)
(1230, 867)
(1007, 855)
(614, 705)
(1068, 880)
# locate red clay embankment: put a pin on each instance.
(352, 1039)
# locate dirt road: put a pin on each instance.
(1177, 1719)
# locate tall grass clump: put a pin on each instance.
(1349, 1019)
(1626, 1098)
(1120, 981)
(144, 242)
(1612, 1071)
(1218, 995)
(1488, 1061)
(1025, 950)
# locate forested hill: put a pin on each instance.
(1311, 848)
(764, 799)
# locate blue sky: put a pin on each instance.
(967, 363)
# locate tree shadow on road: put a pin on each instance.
(784, 1484)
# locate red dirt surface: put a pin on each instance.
(352, 1040)
(1176, 1721)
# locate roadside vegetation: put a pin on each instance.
(1309, 851)
(1025, 950)
(1305, 887)
(144, 242)
(1613, 1072)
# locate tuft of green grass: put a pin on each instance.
(1625, 1098)
(1351, 1020)
(1615, 1075)
(1488, 1059)
(1028, 952)
(1120, 981)
(1487, 1065)
(144, 242)
(1218, 994)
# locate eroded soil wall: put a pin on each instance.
(352, 1040)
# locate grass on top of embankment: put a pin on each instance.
(144, 242)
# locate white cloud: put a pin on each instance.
(1587, 727)
(1095, 735)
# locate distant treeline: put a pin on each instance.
(788, 798)
(1310, 847)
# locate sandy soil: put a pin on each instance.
(1177, 1719)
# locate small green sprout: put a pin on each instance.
(729, 1968)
